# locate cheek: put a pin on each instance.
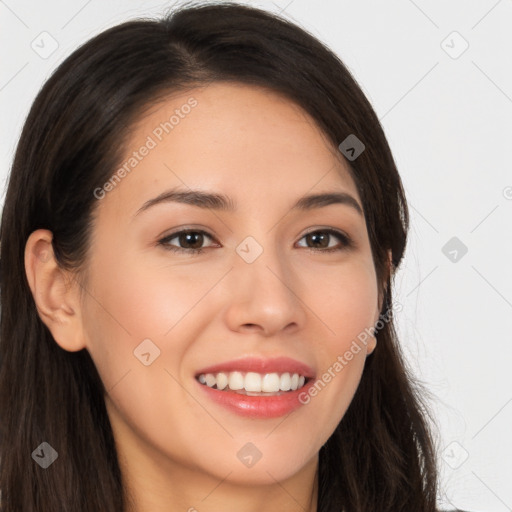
(125, 305)
(131, 299)
(141, 301)
(345, 300)
(129, 302)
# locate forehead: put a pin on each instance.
(244, 141)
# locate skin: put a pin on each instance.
(177, 448)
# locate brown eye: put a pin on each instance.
(189, 241)
(320, 240)
(192, 239)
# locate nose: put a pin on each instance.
(265, 296)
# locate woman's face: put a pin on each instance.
(263, 299)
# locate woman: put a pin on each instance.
(257, 367)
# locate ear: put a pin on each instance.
(55, 292)
(372, 341)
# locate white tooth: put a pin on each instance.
(270, 383)
(236, 381)
(210, 380)
(222, 380)
(252, 382)
(285, 382)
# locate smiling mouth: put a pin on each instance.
(254, 384)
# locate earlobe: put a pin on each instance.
(54, 291)
(371, 343)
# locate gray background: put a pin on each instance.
(447, 113)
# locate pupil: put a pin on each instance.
(186, 239)
(315, 237)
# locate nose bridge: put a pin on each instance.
(264, 265)
(263, 286)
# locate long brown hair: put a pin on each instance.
(382, 454)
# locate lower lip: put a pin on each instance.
(258, 406)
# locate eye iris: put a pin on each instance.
(185, 239)
(315, 237)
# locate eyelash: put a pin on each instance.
(346, 241)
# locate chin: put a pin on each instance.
(252, 467)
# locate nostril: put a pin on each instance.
(250, 326)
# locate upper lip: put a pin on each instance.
(261, 365)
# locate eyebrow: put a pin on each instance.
(221, 202)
